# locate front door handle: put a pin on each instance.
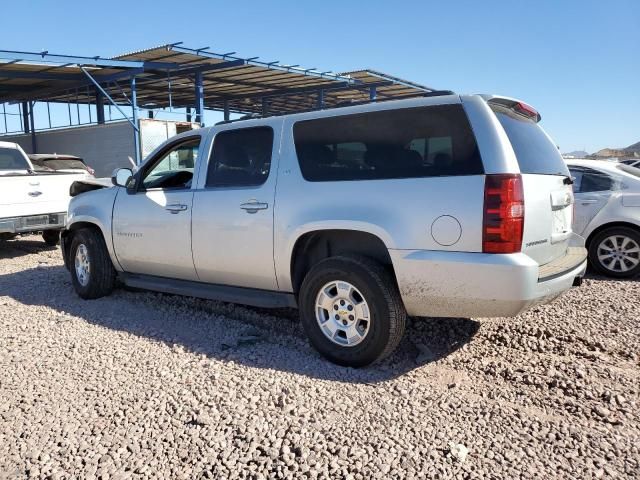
(253, 206)
(588, 201)
(35, 194)
(176, 207)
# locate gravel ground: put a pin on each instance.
(143, 385)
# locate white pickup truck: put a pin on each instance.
(32, 201)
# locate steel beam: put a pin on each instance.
(45, 57)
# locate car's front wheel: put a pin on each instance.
(615, 252)
(351, 310)
(92, 272)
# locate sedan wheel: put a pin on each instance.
(616, 252)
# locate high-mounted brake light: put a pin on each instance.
(503, 220)
(526, 110)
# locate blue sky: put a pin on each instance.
(577, 62)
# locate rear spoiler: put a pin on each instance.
(514, 105)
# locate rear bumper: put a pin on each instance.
(33, 223)
(459, 284)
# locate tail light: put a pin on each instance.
(503, 220)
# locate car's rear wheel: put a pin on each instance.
(92, 272)
(51, 237)
(615, 252)
(351, 310)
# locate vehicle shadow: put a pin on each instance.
(20, 246)
(254, 337)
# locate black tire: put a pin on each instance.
(102, 275)
(378, 287)
(601, 267)
(51, 237)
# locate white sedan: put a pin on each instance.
(607, 214)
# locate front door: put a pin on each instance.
(233, 209)
(152, 222)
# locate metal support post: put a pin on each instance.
(134, 109)
(25, 117)
(199, 99)
(189, 118)
(34, 145)
(150, 114)
(99, 107)
(372, 94)
(320, 101)
(227, 115)
(265, 106)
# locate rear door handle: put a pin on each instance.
(254, 206)
(176, 207)
(35, 194)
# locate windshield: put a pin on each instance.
(12, 159)
(535, 152)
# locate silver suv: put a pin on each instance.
(442, 206)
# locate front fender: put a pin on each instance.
(95, 208)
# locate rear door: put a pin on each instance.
(593, 189)
(233, 208)
(546, 181)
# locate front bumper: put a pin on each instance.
(460, 284)
(33, 223)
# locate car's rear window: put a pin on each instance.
(12, 159)
(535, 152)
(629, 169)
(406, 143)
(65, 164)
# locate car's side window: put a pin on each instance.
(173, 168)
(595, 181)
(240, 158)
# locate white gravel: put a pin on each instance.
(143, 385)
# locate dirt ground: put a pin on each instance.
(144, 385)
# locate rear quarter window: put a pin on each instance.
(406, 143)
(535, 152)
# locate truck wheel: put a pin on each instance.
(351, 310)
(51, 237)
(92, 272)
(615, 252)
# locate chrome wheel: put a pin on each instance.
(342, 313)
(619, 253)
(83, 268)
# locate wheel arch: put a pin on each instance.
(315, 245)
(605, 226)
(78, 224)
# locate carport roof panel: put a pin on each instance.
(165, 77)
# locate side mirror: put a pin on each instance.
(121, 177)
